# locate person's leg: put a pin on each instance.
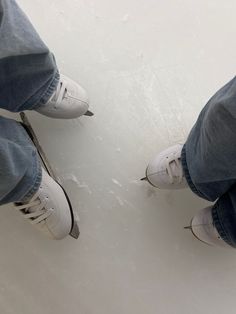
(20, 168)
(209, 154)
(29, 78)
(209, 159)
(28, 72)
(24, 182)
(207, 162)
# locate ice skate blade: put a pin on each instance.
(74, 232)
(144, 179)
(188, 227)
(89, 113)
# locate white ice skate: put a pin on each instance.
(165, 171)
(50, 208)
(203, 228)
(69, 101)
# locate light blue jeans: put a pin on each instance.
(209, 159)
(28, 77)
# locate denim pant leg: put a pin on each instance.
(28, 71)
(28, 77)
(20, 168)
(209, 159)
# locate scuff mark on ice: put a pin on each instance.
(73, 178)
(125, 18)
(120, 201)
(116, 182)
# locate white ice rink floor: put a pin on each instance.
(149, 67)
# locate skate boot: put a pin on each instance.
(48, 209)
(165, 171)
(202, 227)
(69, 101)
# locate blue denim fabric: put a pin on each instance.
(209, 159)
(28, 77)
(28, 72)
(20, 169)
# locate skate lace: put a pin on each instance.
(173, 174)
(34, 210)
(60, 93)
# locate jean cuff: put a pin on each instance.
(36, 181)
(39, 100)
(49, 91)
(187, 174)
(219, 226)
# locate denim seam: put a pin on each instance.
(216, 221)
(45, 96)
(187, 174)
(36, 181)
(48, 93)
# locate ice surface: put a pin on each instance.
(148, 66)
